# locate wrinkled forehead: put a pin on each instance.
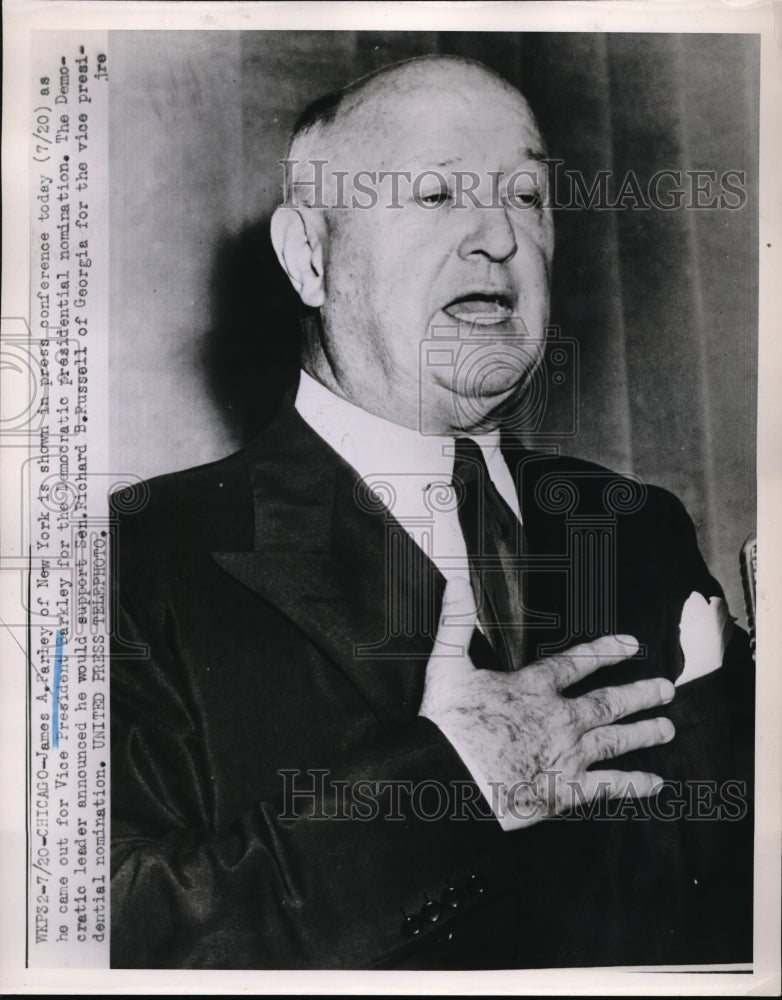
(430, 118)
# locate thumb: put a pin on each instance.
(457, 620)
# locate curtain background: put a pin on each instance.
(661, 304)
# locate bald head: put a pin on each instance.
(398, 103)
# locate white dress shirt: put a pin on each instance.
(410, 472)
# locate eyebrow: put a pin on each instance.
(422, 160)
(418, 160)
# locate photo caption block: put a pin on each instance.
(64, 483)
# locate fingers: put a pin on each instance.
(457, 621)
(598, 708)
(612, 741)
(620, 784)
(584, 659)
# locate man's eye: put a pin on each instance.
(524, 198)
(431, 199)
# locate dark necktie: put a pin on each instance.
(494, 539)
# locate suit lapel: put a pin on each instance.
(334, 560)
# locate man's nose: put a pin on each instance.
(489, 234)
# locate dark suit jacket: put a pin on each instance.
(258, 628)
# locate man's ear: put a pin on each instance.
(297, 236)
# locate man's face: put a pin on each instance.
(434, 310)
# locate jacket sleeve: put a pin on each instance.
(349, 872)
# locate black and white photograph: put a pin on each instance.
(389, 500)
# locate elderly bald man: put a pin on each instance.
(367, 695)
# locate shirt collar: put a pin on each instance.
(374, 445)
(381, 451)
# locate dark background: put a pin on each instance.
(662, 304)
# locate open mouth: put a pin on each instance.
(481, 308)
